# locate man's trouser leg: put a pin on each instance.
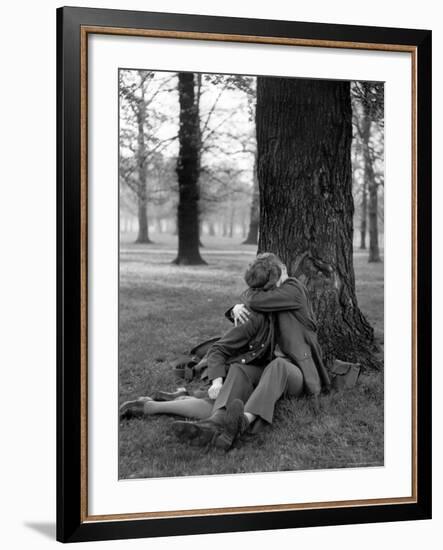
(279, 377)
(239, 384)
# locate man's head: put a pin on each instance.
(266, 272)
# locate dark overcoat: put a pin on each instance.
(296, 329)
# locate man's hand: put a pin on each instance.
(214, 390)
(283, 276)
(241, 314)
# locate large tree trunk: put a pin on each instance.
(188, 167)
(304, 138)
(142, 198)
(369, 181)
(254, 218)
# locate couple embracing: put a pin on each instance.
(271, 351)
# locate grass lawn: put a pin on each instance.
(165, 310)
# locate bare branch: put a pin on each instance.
(211, 111)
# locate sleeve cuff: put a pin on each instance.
(218, 371)
(228, 314)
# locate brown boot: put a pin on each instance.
(201, 433)
(219, 430)
(235, 424)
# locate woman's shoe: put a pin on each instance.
(133, 409)
(169, 396)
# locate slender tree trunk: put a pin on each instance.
(188, 174)
(159, 225)
(369, 179)
(304, 134)
(254, 218)
(211, 229)
(200, 233)
(374, 249)
(231, 220)
(142, 198)
(199, 149)
(142, 236)
(364, 215)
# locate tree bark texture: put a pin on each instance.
(142, 196)
(371, 185)
(188, 168)
(304, 134)
(254, 217)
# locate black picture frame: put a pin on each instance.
(72, 525)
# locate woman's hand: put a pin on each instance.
(214, 390)
(241, 314)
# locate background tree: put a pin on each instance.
(225, 199)
(188, 170)
(304, 135)
(225, 143)
(359, 183)
(140, 142)
(227, 106)
(254, 213)
(368, 100)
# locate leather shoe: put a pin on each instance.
(219, 430)
(133, 409)
(201, 433)
(169, 396)
(235, 424)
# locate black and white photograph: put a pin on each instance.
(217, 275)
(251, 274)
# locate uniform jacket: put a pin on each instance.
(251, 342)
(295, 329)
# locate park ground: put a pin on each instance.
(165, 310)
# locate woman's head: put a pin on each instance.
(265, 271)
